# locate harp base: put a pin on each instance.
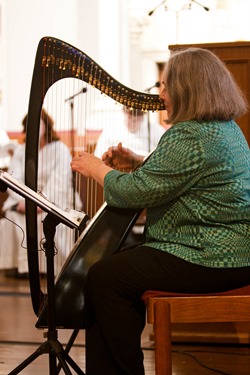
(51, 346)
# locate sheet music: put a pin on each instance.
(72, 218)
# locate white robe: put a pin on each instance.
(55, 181)
(141, 140)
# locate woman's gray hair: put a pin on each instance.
(201, 87)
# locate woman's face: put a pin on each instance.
(164, 95)
(133, 121)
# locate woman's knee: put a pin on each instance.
(99, 275)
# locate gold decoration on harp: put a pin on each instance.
(71, 62)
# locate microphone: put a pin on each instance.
(157, 84)
(158, 6)
(82, 91)
(205, 8)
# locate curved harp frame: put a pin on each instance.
(56, 60)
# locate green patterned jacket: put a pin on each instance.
(196, 189)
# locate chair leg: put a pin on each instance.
(162, 331)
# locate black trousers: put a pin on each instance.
(116, 314)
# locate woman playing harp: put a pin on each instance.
(195, 187)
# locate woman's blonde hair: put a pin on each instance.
(201, 87)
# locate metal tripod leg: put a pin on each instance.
(55, 351)
(69, 346)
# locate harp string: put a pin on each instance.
(60, 72)
(88, 112)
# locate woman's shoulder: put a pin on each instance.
(194, 127)
(181, 130)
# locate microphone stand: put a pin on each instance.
(73, 149)
(71, 102)
(157, 84)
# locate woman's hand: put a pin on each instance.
(121, 158)
(90, 166)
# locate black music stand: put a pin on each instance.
(51, 346)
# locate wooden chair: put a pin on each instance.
(164, 308)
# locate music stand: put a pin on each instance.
(55, 215)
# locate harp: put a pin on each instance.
(56, 63)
